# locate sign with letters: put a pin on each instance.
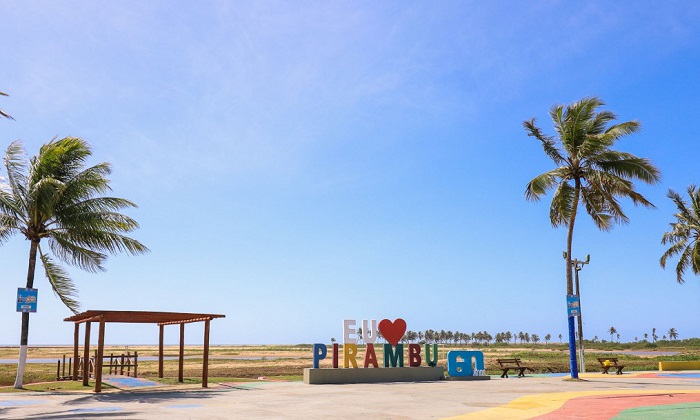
(26, 299)
(460, 363)
(573, 307)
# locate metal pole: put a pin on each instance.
(578, 266)
(582, 364)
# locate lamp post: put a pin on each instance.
(578, 265)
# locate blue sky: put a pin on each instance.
(300, 163)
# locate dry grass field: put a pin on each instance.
(229, 363)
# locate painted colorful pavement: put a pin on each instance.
(613, 404)
(127, 382)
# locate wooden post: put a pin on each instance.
(136, 363)
(160, 352)
(205, 366)
(86, 355)
(181, 362)
(76, 337)
(100, 356)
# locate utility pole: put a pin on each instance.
(578, 266)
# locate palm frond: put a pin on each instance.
(86, 184)
(695, 257)
(548, 143)
(42, 199)
(16, 165)
(675, 249)
(8, 226)
(3, 113)
(684, 261)
(539, 185)
(627, 166)
(577, 117)
(684, 235)
(694, 194)
(86, 210)
(61, 283)
(73, 254)
(595, 206)
(562, 205)
(599, 122)
(617, 131)
(59, 159)
(110, 242)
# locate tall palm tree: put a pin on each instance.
(55, 197)
(612, 331)
(684, 234)
(3, 113)
(589, 172)
(672, 334)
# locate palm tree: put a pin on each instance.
(612, 331)
(588, 171)
(535, 338)
(654, 337)
(646, 337)
(672, 334)
(684, 234)
(618, 337)
(547, 338)
(3, 113)
(560, 338)
(54, 197)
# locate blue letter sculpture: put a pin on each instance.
(463, 367)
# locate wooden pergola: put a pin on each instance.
(136, 317)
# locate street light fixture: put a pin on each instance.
(578, 266)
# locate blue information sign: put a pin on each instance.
(26, 299)
(573, 306)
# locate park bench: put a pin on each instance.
(507, 364)
(611, 363)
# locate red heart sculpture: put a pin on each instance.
(392, 331)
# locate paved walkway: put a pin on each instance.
(630, 396)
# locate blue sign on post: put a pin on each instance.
(573, 307)
(26, 299)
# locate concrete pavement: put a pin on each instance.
(597, 396)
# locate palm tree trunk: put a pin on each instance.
(24, 338)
